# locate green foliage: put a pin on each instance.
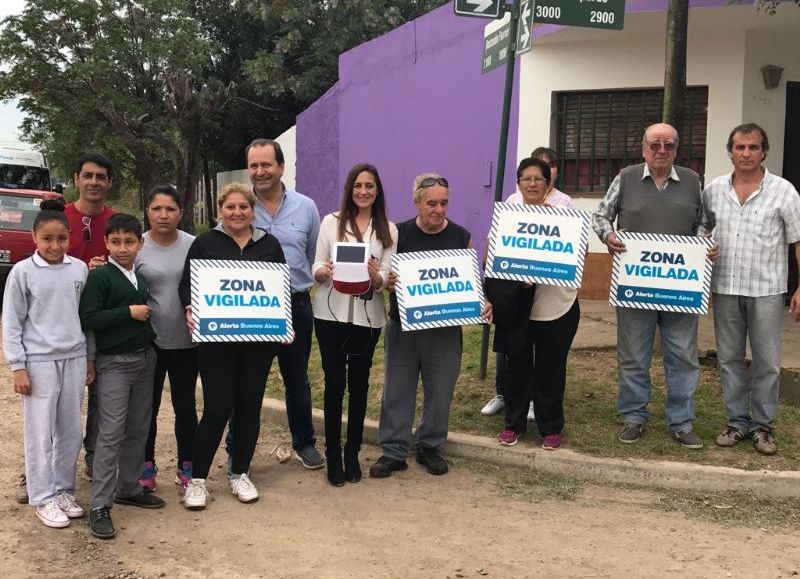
(122, 77)
(165, 87)
(771, 6)
(301, 59)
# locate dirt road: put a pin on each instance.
(411, 525)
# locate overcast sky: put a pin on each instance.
(10, 117)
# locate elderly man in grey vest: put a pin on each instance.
(654, 197)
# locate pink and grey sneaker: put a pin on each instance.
(184, 474)
(551, 442)
(148, 478)
(508, 437)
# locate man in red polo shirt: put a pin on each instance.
(87, 218)
(89, 214)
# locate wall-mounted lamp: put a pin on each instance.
(771, 75)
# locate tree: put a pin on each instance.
(675, 66)
(301, 58)
(129, 71)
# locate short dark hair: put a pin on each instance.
(50, 210)
(123, 223)
(164, 189)
(534, 162)
(97, 159)
(746, 129)
(266, 143)
(551, 154)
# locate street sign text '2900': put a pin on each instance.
(588, 13)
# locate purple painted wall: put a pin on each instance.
(413, 100)
(317, 150)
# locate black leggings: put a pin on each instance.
(234, 377)
(181, 366)
(552, 341)
(346, 351)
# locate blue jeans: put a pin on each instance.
(635, 335)
(735, 319)
(293, 363)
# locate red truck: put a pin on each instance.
(24, 183)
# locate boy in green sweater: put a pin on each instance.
(113, 305)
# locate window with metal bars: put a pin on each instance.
(597, 133)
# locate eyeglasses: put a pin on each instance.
(87, 227)
(656, 146)
(537, 180)
(431, 181)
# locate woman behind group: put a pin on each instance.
(234, 374)
(161, 262)
(348, 326)
(551, 326)
(497, 403)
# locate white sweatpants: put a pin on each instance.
(52, 427)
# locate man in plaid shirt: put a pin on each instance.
(755, 216)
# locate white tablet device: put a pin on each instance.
(350, 274)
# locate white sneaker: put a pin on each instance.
(52, 516)
(243, 488)
(196, 494)
(531, 413)
(66, 502)
(494, 405)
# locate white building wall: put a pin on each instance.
(288, 142)
(768, 107)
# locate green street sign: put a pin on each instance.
(589, 13)
(495, 44)
(479, 8)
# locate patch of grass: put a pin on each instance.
(525, 484)
(741, 508)
(590, 408)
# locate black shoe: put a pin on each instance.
(100, 523)
(386, 466)
(22, 490)
(352, 469)
(144, 500)
(432, 460)
(335, 469)
(309, 457)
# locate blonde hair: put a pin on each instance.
(419, 179)
(231, 188)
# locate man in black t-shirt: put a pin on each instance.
(434, 353)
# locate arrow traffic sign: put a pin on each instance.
(524, 27)
(478, 8)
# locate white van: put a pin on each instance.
(23, 169)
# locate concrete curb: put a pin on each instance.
(646, 473)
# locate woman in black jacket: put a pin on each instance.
(234, 374)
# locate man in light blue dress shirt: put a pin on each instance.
(294, 219)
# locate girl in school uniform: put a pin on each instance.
(47, 351)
